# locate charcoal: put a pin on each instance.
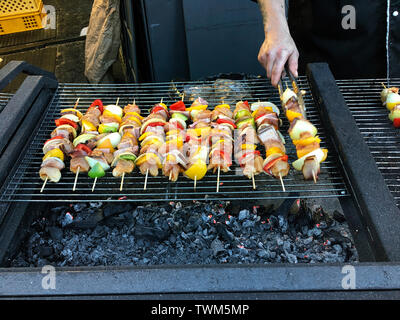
(217, 247)
(55, 233)
(224, 232)
(114, 209)
(263, 253)
(89, 221)
(244, 214)
(95, 234)
(45, 251)
(150, 233)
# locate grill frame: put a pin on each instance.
(255, 280)
(363, 99)
(24, 187)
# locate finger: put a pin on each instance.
(278, 68)
(293, 63)
(270, 65)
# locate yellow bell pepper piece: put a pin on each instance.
(145, 135)
(199, 107)
(306, 141)
(291, 115)
(156, 142)
(248, 146)
(106, 144)
(148, 157)
(274, 150)
(197, 170)
(220, 106)
(173, 132)
(265, 108)
(76, 112)
(108, 113)
(134, 119)
(135, 114)
(54, 153)
(88, 126)
(178, 142)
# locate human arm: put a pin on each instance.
(278, 46)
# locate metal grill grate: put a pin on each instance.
(383, 140)
(4, 97)
(24, 183)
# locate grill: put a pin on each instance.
(370, 209)
(25, 184)
(383, 140)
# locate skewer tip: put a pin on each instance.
(282, 184)
(122, 181)
(44, 184)
(94, 184)
(145, 180)
(314, 177)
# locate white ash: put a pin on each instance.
(184, 233)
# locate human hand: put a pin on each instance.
(277, 49)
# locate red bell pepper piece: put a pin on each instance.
(56, 137)
(246, 103)
(178, 124)
(396, 122)
(178, 106)
(156, 109)
(62, 121)
(84, 148)
(256, 152)
(222, 154)
(221, 121)
(99, 104)
(270, 164)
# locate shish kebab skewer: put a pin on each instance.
(391, 99)
(86, 141)
(221, 138)
(152, 137)
(302, 132)
(197, 140)
(174, 161)
(246, 153)
(106, 142)
(128, 148)
(59, 145)
(266, 116)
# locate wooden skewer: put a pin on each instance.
(134, 101)
(117, 101)
(280, 178)
(94, 184)
(145, 180)
(44, 184)
(76, 103)
(122, 181)
(254, 182)
(195, 182)
(219, 170)
(383, 85)
(76, 178)
(170, 175)
(161, 100)
(183, 96)
(314, 177)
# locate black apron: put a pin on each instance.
(316, 26)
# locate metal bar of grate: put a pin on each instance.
(24, 183)
(363, 98)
